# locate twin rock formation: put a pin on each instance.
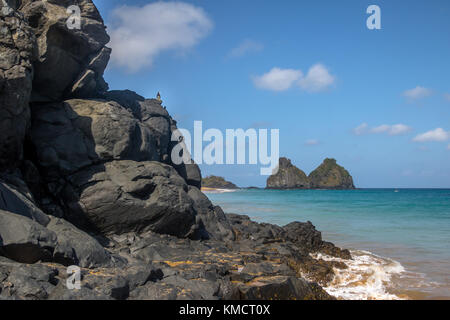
(329, 175)
(86, 179)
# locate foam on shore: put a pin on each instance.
(215, 190)
(368, 277)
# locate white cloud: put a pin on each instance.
(277, 79)
(317, 79)
(245, 47)
(361, 129)
(437, 134)
(392, 130)
(140, 34)
(417, 93)
(312, 142)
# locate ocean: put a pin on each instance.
(400, 238)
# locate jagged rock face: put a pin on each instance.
(288, 177)
(82, 52)
(330, 175)
(218, 182)
(17, 45)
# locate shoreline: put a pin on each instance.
(400, 270)
(217, 190)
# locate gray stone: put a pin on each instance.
(24, 240)
(17, 47)
(74, 49)
(34, 282)
(13, 200)
(75, 247)
(124, 196)
(74, 134)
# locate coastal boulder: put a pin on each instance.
(288, 176)
(330, 175)
(80, 51)
(73, 134)
(76, 247)
(282, 288)
(17, 48)
(124, 196)
(304, 234)
(24, 240)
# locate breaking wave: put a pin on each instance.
(367, 277)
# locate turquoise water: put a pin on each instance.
(411, 226)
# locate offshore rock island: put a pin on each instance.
(329, 175)
(86, 180)
(215, 182)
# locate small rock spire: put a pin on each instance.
(158, 97)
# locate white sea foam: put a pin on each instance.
(367, 277)
(219, 190)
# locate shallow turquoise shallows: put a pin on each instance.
(411, 226)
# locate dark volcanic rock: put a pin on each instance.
(103, 161)
(217, 183)
(75, 247)
(281, 288)
(288, 177)
(123, 196)
(82, 146)
(35, 282)
(13, 200)
(81, 52)
(76, 133)
(24, 240)
(17, 47)
(330, 175)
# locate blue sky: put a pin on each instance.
(376, 100)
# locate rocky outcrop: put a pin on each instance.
(95, 152)
(330, 175)
(87, 179)
(264, 262)
(17, 53)
(218, 183)
(288, 176)
(81, 52)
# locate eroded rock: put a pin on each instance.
(17, 52)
